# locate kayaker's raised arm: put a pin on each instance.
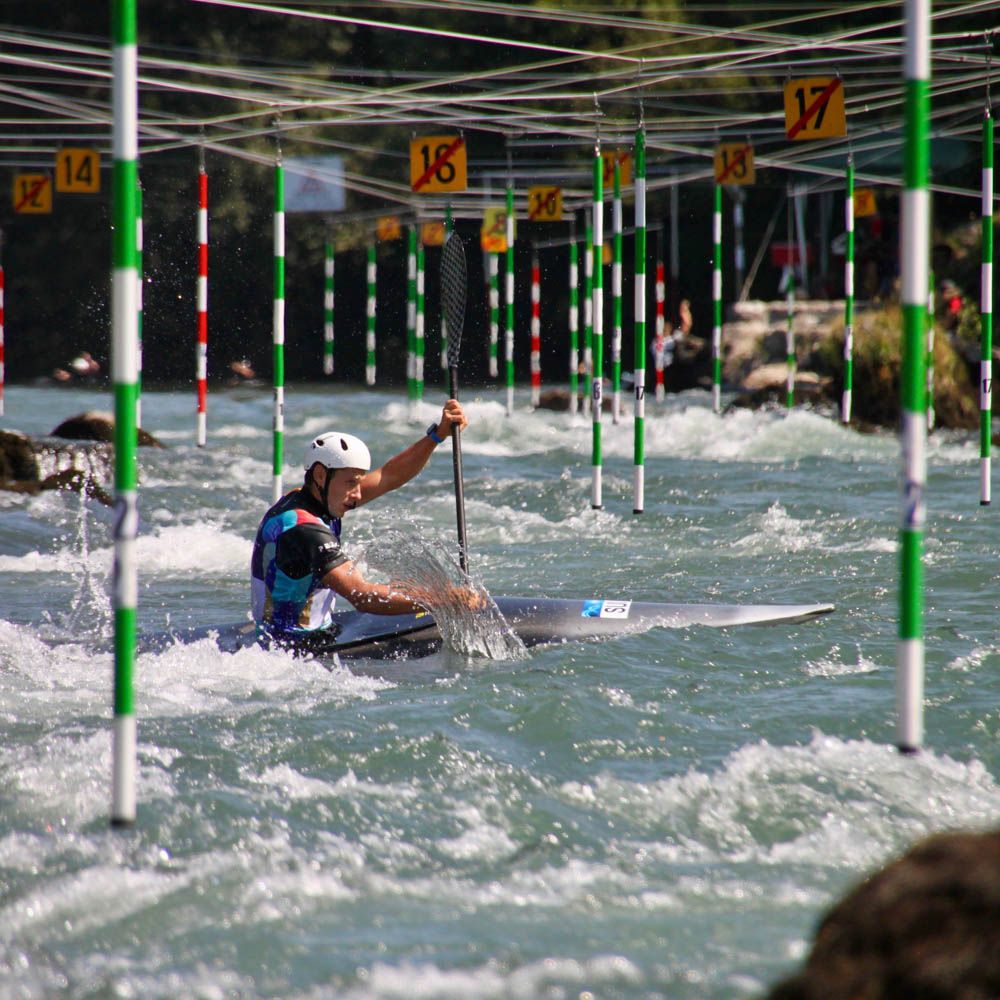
(401, 468)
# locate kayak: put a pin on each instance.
(534, 620)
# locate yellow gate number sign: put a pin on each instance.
(544, 204)
(814, 108)
(864, 202)
(734, 163)
(388, 228)
(438, 163)
(432, 234)
(608, 160)
(78, 171)
(32, 194)
(493, 235)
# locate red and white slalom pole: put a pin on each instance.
(493, 270)
(660, 336)
(201, 358)
(536, 330)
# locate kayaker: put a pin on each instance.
(298, 566)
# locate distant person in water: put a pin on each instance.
(926, 926)
(298, 566)
(83, 368)
(242, 372)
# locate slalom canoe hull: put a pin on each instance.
(535, 620)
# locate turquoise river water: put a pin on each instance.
(662, 815)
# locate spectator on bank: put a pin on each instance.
(926, 926)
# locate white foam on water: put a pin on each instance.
(974, 659)
(495, 980)
(205, 548)
(831, 803)
(834, 664)
(776, 532)
(261, 431)
(197, 678)
(481, 840)
(64, 778)
(33, 562)
(170, 550)
(87, 900)
(291, 784)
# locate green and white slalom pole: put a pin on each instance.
(717, 301)
(418, 338)
(508, 335)
(639, 365)
(124, 369)
(790, 358)
(371, 281)
(847, 397)
(493, 270)
(574, 318)
(915, 247)
(411, 318)
(616, 297)
(329, 268)
(138, 301)
(597, 378)
(279, 328)
(588, 308)
(986, 315)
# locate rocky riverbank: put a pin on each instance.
(754, 360)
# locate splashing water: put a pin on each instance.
(88, 612)
(411, 562)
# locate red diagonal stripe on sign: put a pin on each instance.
(814, 107)
(736, 161)
(438, 163)
(544, 206)
(31, 192)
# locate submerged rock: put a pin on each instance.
(95, 425)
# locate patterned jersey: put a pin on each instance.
(297, 544)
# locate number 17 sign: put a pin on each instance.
(814, 108)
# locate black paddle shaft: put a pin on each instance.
(456, 461)
(453, 289)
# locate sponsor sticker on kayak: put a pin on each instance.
(605, 609)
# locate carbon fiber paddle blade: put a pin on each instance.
(453, 285)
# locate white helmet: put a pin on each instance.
(338, 451)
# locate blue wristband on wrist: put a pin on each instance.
(433, 434)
